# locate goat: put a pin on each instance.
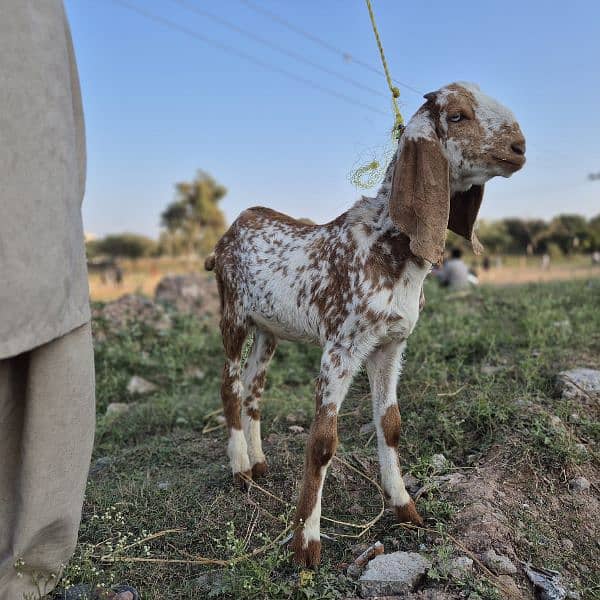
(354, 286)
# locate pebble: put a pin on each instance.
(118, 408)
(139, 385)
(460, 566)
(395, 573)
(500, 564)
(296, 429)
(579, 484)
(438, 462)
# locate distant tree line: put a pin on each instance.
(193, 222)
(563, 235)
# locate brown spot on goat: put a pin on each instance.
(390, 423)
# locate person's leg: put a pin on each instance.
(13, 376)
(56, 444)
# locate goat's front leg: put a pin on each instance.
(337, 370)
(383, 367)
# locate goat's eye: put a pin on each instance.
(455, 118)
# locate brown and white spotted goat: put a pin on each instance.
(354, 286)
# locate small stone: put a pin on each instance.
(296, 429)
(395, 573)
(139, 385)
(439, 462)
(556, 423)
(198, 374)
(181, 421)
(100, 465)
(460, 566)
(367, 428)
(567, 544)
(118, 408)
(220, 419)
(164, 485)
(579, 384)
(500, 564)
(449, 481)
(579, 484)
(411, 483)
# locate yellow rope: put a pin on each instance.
(399, 122)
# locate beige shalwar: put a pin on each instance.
(46, 358)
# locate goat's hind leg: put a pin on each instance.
(383, 367)
(234, 336)
(254, 375)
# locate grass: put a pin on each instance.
(474, 366)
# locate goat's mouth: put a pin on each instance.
(514, 163)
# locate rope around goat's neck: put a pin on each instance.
(399, 121)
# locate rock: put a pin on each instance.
(498, 563)
(411, 483)
(296, 429)
(395, 573)
(579, 484)
(127, 309)
(181, 421)
(209, 582)
(118, 408)
(439, 462)
(460, 566)
(547, 583)
(193, 294)
(100, 465)
(567, 544)
(556, 424)
(579, 384)
(163, 485)
(139, 385)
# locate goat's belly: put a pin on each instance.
(284, 328)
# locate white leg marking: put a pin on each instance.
(237, 451)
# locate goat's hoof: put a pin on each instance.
(308, 557)
(408, 514)
(259, 469)
(243, 479)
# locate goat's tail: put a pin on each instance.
(209, 263)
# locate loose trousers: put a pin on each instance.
(47, 416)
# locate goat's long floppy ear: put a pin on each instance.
(464, 207)
(420, 197)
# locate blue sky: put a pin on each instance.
(160, 104)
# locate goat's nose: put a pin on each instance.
(518, 147)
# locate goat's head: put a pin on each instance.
(454, 143)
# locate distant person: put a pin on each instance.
(545, 261)
(47, 398)
(455, 274)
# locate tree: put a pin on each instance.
(194, 222)
(122, 245)
(568, 232)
